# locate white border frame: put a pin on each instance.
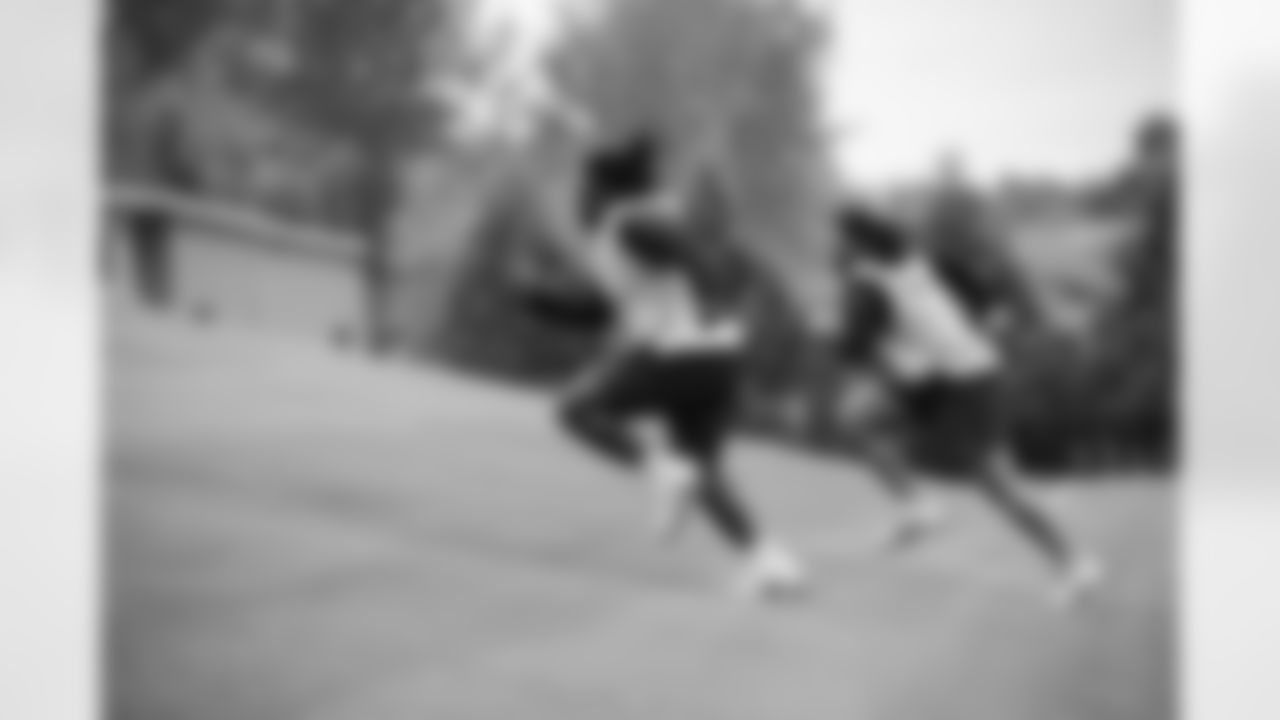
(50, 375)
(1231, 506)
(49, 361)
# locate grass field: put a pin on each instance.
(294, 534)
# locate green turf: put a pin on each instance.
(295, 534)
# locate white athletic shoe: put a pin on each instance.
(771, 571)
(1084, 575)
(672, 480)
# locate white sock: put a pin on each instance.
(924, 509)
(671, 478)
(775, 560)
(669, 471)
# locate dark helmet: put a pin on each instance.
(870, 234)
(656, 242)
(619, 172)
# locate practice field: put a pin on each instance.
(294, 534)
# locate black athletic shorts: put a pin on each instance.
(952, 425)
(695, 393)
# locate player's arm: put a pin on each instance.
(580, 310)
(989, 300)
(866, 320)
(559, 300)
(580, 296)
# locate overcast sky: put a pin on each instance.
(1011, 85)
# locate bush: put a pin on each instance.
(1110, 397)
(485, 328)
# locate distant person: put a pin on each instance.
(920, 345)
(672, 360)
(150, 231)
(151, 223)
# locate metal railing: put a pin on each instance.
(233, 223)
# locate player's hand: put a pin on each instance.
(863, 400)
(525, 272)
(999, 323)
(615, 350)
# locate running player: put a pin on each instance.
(937, 370)
(673, 358)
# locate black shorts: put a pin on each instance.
(694, 393)
(952, 425)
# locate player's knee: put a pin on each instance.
(568, 414)
(998, 486)
(577, 416)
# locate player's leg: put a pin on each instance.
(673, 461)
(621, 412)
(599, 411)
(1078, 571)
(978, 422)
(703, 422)
(768, 565)
(916, 512)
(671, 473)
(998, 485)
(881, 418)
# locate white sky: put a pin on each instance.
(1039, 85)
(1046, 86)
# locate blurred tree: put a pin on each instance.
(488, 328)
(155, 36)
(726, 82)
(1140, 336)
(145, 43)
(248, 84)
(357, 75)
(957, 227)
(1111, 396)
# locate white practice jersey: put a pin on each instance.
(659, 311)
(933, 335)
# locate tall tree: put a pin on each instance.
(1141, 335)
(729, 81)
(144, 43)
(157, 35)
(358, 75)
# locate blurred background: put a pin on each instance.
(364, 174)
(333, 486)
